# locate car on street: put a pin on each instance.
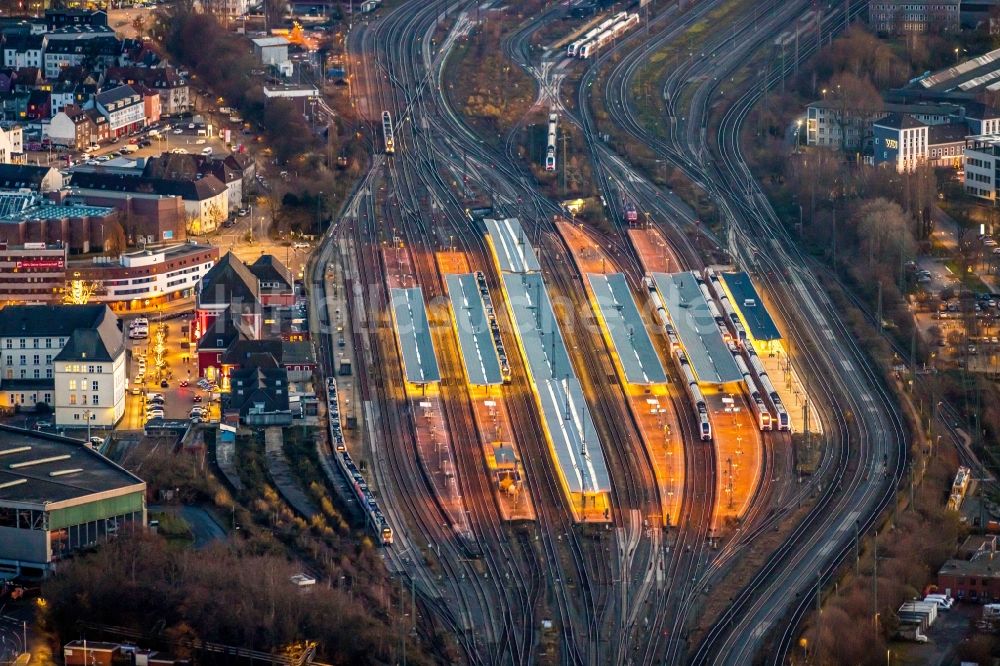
(164, 384)
(196, 398)
(184, 383)
(179, 131)
(243, 212)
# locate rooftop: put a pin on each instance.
(475, 338)
(750, 307)
(899, 121)
(39, 469)
(633, 346)
(699, 334)
(414, 334)
(978, 74)
(264, 42)
(511, 245)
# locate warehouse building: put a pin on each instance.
(58, 496)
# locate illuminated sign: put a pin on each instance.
(40, 264)
(891, 143)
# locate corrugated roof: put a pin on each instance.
(511, 245)
(710, 358)
(750, 307)
(414, 335)
(633, 347)
(479, 355)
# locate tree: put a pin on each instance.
(885, 232)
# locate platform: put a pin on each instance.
(475, 337)
(710, 358)
(511, 246)
(409, 317)
(627, 330)
(750, 307)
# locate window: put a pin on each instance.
(24, 343)
(10, 343)
(48, 343)
(48, 359)
(34, 359)
(90, 368)
(23, 373)
(62, 342)
(24, 360)
(48, 398)
(34, 343)
(94, 386)
(76, 417)
(37, 373)
(48, 373)
(93, 401)
(83, 398)
(10, 360)
(72, 399)
(72, 385)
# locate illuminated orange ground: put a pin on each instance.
(651, 405)
(492, 421)
(399, 269)
(735, 434)
(452, 262)
(738, 450)
(654, 252)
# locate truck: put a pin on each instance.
(912, 632)
(927, 608)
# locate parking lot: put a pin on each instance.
(170, 371)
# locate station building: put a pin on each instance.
(58, 496)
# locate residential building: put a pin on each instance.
(172, 166)
(228, 10)
(71, 357)
(830, 124)
(173, 88)
(96, 51)
(123, 107)
(982, 166)
(295, 358)
(913, 16)
(145, 278)
(62, 18)
(32, 273)
(151, 103)
(982, 119)
(12, 145)
(39, 106)
(58, 497)
(72, 127)
(946, 145)
(270, 50)
(23, 50)
(37, 179)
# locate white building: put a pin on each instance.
(913, 16)
(900, 140)
(830, 125)
(21, 50)
(70, 357)
(271, 50)
(157, 273)
(12, 145)
(982, 166)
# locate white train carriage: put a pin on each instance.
(388, 134)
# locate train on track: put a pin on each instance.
(550, 143)
(375, 520)
(388, 134)
(631, 214)
(695, 396)
(765, 402)
(597, 38)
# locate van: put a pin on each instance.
(202, 132)
(130, 148)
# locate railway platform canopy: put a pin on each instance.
(749, 306)
(413, 332)
(628, 333)
(475, 339)
(710, 358)
(513, 251)
(537, 328)
(573, 436)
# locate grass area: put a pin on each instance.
(300, 449)
(969, 280)
(172, 526)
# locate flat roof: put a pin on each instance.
(578, 449)
(475, 339)
(537, 327)
(750, 307)
(633, 345)
(564, 410)
(511, 245)
(710, 358)
(38, 469)
(414, 334)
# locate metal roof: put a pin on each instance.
(414, 334)
(578, 449)
(564, 410)
(40, 469)
(699, 334)
(628, 331)
(537, 327)
(511, 245)
(750, 307)
(475, 339)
